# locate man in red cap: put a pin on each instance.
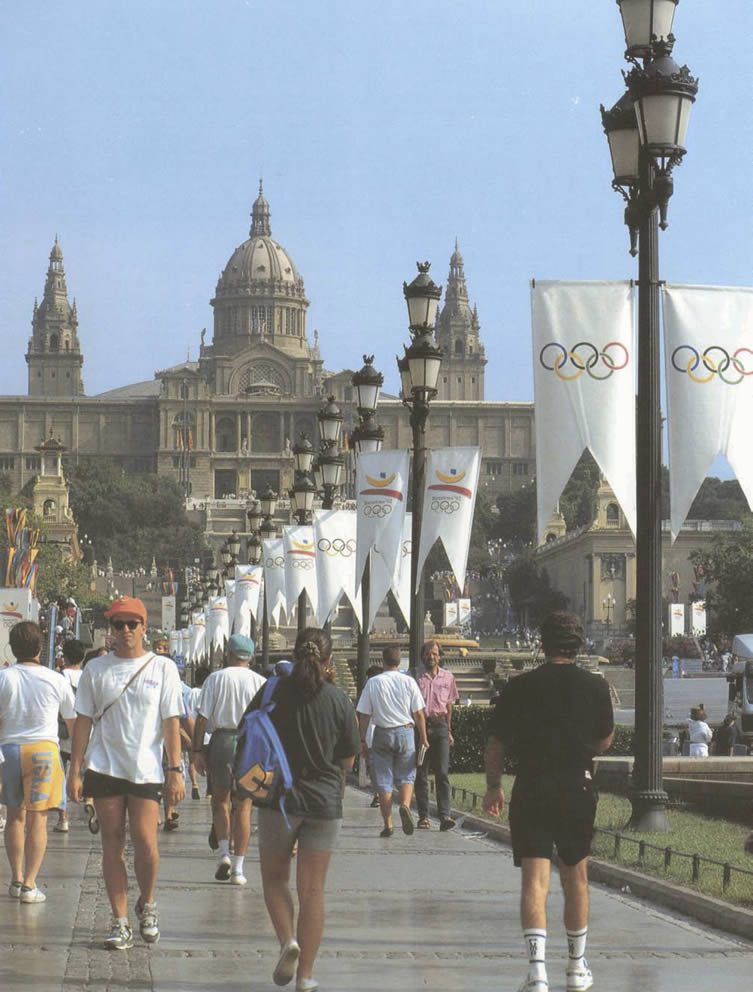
(129, 704)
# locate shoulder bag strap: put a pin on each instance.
(128, 683)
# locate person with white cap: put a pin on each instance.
(223, 701)
(129, 703)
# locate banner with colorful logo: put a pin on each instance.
(698, 618)
(197, 631)
(218, 622)
(299, 550)
(676, 619)
(381, 498)
(396, 580)
(274, 579)
(708, 340)
(229, 590)
(584, 387)
(335, 537)
(248, 580)
(450, 488)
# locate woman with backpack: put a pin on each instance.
(317, 726)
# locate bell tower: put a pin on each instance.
(458, 335)
(54, 356)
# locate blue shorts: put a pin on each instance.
(393, 757)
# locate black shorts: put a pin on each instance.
(99, 786)
(547, 812)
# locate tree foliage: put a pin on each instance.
(132, 519)
(728, 567)
(719, 499)
(531, 592)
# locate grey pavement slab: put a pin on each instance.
(434, 911)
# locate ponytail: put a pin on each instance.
(312, 651)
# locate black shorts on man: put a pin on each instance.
(553, 811)
(99, 786)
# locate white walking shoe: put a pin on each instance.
(579, 979)
(32, 895)
(238, 878)
(287, 962)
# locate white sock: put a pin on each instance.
(122, 921)
(576, 948)
(236, 864)
(224, 846)
(536, 947)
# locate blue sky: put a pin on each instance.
(138, 131)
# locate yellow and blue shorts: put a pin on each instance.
(33, 776)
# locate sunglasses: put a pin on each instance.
(120, 624)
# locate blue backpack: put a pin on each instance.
(260, 766)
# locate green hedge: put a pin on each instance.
(469, 728)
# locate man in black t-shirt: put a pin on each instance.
(551, 722)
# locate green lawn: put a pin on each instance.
(691, 833)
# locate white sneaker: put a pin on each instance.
(534, 985)
(579, 979)
(287, 962)
(14, 890)
(120, 939)
(238, 878)
(148, 921)
(32, 895)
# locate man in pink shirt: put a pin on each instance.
(437, 686)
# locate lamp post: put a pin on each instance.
(263, 529)
(646, 132)
(302, 494)
(366, 437)
(419, 371)
(330, 461)
(607, 606)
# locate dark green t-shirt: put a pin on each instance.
(315, 734)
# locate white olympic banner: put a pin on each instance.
(229, 591)
(274, 579)
(584, 387)
(198, 631)
(246, 600)
(398, 580)
(335, 537)
(708, 340)
(185, 643)
(381, 498)
(299, 550)
(174, 642)
(676, 619)
(218, 622)
(450, 489)
(698, 618)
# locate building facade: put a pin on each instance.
(224, 425)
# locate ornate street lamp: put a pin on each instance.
(330, 422)
(330, 462)
(302, 495)
(269, 502)
(419, 372)
(366, 437)
(254, 549)
(644, 153)
(303, 454)
(263, 529)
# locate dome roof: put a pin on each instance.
(260, 259)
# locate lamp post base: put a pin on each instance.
(649, 813)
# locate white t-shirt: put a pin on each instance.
(226, 694)
(31, 696)
(73, 675)
(127, 742)
(391, 699)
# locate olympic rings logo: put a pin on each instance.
(277, 562)
(306, 564)
(716, 361)
(441, 504)
(584, 357)
(405, 549)
(377, 509)
(338, 546)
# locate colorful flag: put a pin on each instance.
(248, 579)
(299, 550)
(335, 537)
(274, 579)
(382, 489)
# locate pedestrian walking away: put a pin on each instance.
(32, 698)
(73, 655)
(129, 705)
(440, 693)
(551, 721)
(393, 703)
(317, 728)
(224, 698)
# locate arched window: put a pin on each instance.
(54, 343)
(48, 509)
(613, 515)
(458, 347)
(226, 434)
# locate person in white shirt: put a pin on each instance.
(223, 701)
(31, 697)
(699, 733)
(393, 702)
(129, 704)
(73, 655)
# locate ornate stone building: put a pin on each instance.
(223, 425)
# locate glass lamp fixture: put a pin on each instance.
(643, 21)
(368, 436)
(330, 422)
(304, 492)
(303, 454)
(367, 382)
(405, 383)
(422, 297)
(424, 361)
(234, 545)
(225, 554)
(253, 550)
(621, 129)
(255, 515)
(331, 464)
(268, 529)
(269, 502)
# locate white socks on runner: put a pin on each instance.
(536, 947)
(576, 948)
(236, 864)
(224, 848)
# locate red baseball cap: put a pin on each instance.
(127, 606)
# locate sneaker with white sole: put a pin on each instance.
(148, 921)
(32, 895)
(579, 979)
(61, 827)
(534, 985)
(14, 890)
(306, 985)
(287, 962)
(120, 939)
(238, 878)
(222, 874)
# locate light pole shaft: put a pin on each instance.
(418, 423)
(265, 635)
(648, 797)
(363, 633)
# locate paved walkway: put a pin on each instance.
(435, 911)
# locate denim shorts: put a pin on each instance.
(393, 757)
